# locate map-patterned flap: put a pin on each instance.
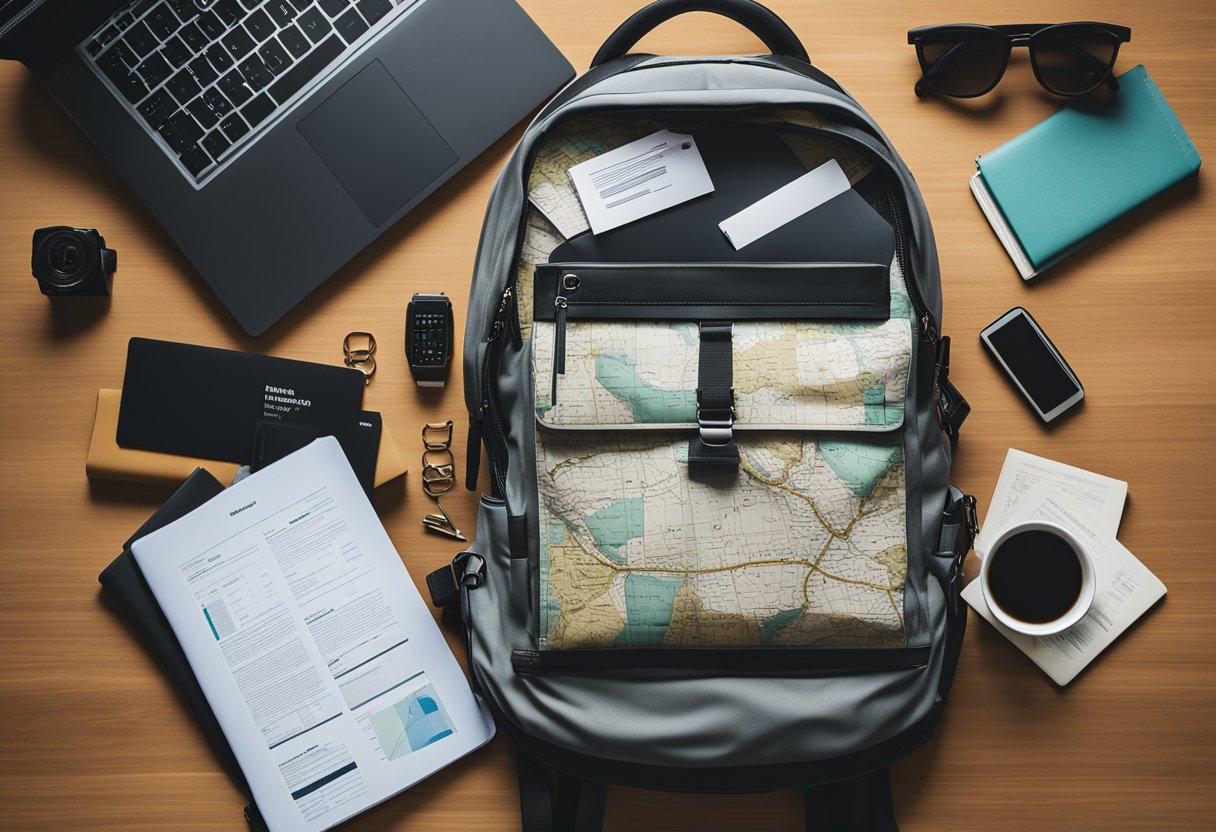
(807, 375)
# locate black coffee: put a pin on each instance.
(1035, 576)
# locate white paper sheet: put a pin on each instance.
(1126, 589)
(785, 204)
(1101, 496)
(323, 665)
(641, 178)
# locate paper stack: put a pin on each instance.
(1090, 506)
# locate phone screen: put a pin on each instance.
(1032, 363)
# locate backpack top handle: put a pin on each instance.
(762, 22)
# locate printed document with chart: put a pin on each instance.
(324, 667)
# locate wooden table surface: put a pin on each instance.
(95, 738)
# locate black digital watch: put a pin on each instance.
(428, 338)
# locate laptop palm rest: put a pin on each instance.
(377, 143)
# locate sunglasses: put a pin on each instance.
(965, 60)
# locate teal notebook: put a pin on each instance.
(1047, 191)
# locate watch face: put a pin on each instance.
(430, 334)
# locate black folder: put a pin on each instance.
(125, 584)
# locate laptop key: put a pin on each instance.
(140, 38)
(203, 113)
(176, 52)
(114, 67)
(219, 57)
(256, 73)
(233, 85)
(211, 25)
(238, 42)
(275, 56)
(301, 5)
(217, 102)
(350, 26)
(251, 4)
(125, 81)
(194, 37)
(161, 21)
(314, 25)
(216, 143)
(180, 131)
(126, 53)
(227, 11)
(184, 87)
(307, 68)
(195, 159)
(125, 20)
(184, 9)
(109, 34)
(333, 8)
(159, 106)
(295, 42)
(281, 12)
(260, 25)
(256, 111)
(373, 10)
(155, 69)
(93, 48)
(202, 71)
(234, 127)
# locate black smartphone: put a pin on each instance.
(1023, 350)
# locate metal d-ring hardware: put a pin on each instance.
(359, 353)
(439, 475)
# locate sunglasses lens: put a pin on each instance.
(1072, 62)
(963, 65)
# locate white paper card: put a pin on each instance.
(1125, 588)
(1102, 497)
(785, 204)
(641, 178)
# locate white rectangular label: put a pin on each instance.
(641, 178)
(785, 204)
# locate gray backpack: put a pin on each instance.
(721, 552)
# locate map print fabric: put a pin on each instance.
(805, 547)
(787, 374)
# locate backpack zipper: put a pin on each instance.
(487, 411)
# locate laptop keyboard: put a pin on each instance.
(206, 78)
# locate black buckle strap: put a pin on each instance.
(715, 441)
(960, 525)
(952, 408)
(466, 569)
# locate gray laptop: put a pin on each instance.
(274, 139)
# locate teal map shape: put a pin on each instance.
(617, 372)
(649, 601)
(860, 467)
(615, 525)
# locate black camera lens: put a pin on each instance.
(72, 261)
(65, 257)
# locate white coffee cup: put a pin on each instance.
(1073, 614)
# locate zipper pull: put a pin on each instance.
(500, 321)
(568, 282)
(928, 330)
(559, 346)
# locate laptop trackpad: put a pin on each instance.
(377, 142)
